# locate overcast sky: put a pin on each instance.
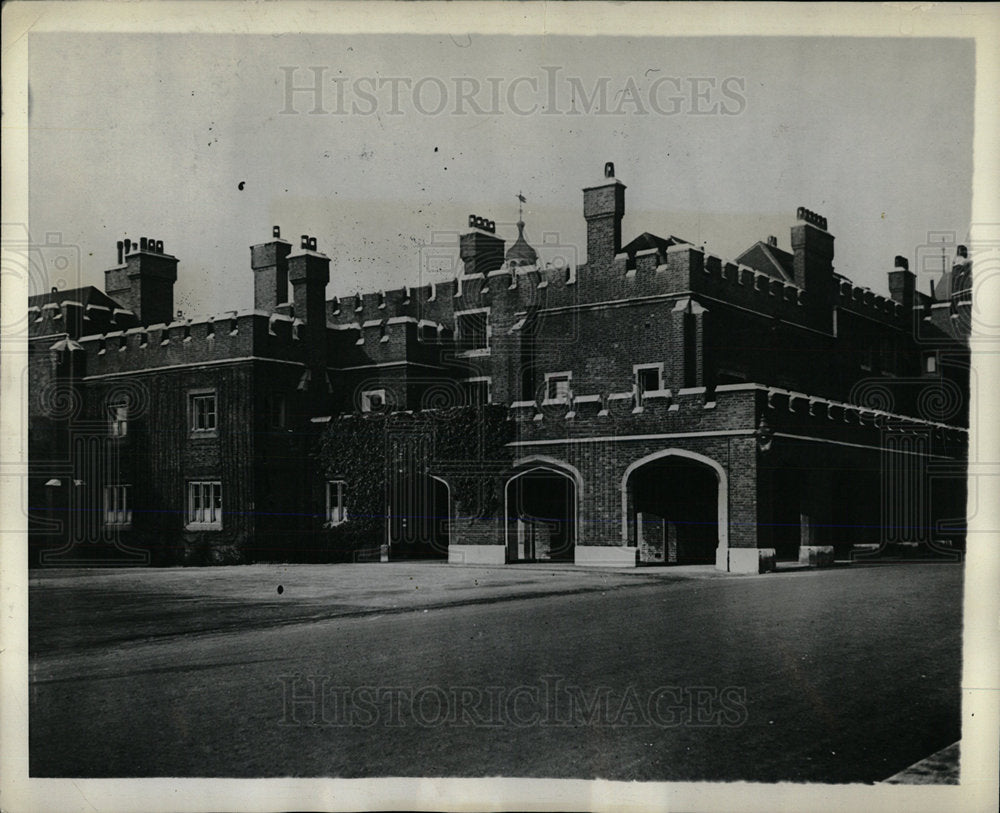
(719, 141)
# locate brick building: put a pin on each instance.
(667, 406)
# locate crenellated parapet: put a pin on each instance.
(230, 336)
(509, 289)
(864, 301)
(72, 317)
(767, 413)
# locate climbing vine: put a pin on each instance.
(465, 446)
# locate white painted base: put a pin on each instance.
(751, 560)
(605, 556)
(477, 555)
(816, 555)
(722, 558)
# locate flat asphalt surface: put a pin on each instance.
(849, 674)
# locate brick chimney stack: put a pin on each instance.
(309, 272)
(603, 209)
(812, 246)
(269, 262)
(143, 281)
(902, 283)
(481, 250)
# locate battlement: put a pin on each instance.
(196, 340)
(507, 289)
(863, 300)
(750, 409)
(681, 268)
(72, 317)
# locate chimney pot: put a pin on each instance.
(772, 240)
(902, 262)
(276, 231)
(142, 244)
(609, 170)
(128, 246)
(121, 249)
(312, 243)
(305, 241)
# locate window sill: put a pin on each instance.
(331, 524)
(202, 526)
(118, 526)
(465, 354)
(203, 433)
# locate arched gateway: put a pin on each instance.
(541, 510)
(675, 507)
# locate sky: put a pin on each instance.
(196, 141)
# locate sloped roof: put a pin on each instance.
(647, 240)
(769, 260)
(87, 295)
(954, 281)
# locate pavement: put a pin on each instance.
(114, 605)
(420, 669)
(941, 768)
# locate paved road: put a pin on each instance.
(835, 676)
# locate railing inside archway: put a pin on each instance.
(541, 514)
(674, 508)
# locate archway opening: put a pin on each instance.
(673, 511)
(541, 516)
(419, 518)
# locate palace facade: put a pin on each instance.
(665, 406)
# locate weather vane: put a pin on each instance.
(521, 200)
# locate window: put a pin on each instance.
(866, 358)
(204, 505)
(118, 420)
(648, 377)
(336, 502)
(373, 400)
(477, 391)
(472, 330)
(691, 350)
(276, 411)
(116, 505)
(202, 414)
(557, 386)
(930, 363)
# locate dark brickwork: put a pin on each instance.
(796, 389)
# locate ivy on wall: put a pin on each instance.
(465, 446)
